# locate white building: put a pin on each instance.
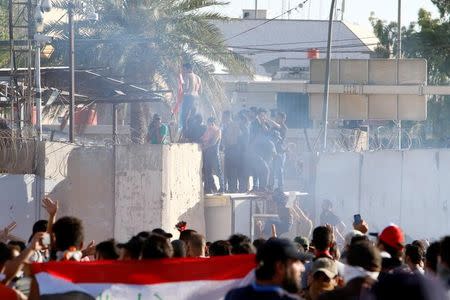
(279, 51)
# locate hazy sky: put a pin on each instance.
(357, 11)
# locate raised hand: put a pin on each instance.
(5, 233)
(89, 250)
(274, 231)
(50, 206)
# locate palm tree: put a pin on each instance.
(146, 41)
(4, 52)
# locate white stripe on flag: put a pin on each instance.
(188, 290)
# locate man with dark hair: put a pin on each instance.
(106, 250)
(220, 248)
(243, 143)
(211, 161)
(132, 250)
(414, 258)
(230, 146)
(395, 286)
(444, 263)
(156, 247)
(322, 240)
(158, 133)
(195, 129)
(285, 218)
(328, 217)
(237, 239)
(179, 248)
(431, 258)
(243, 248)
(38, 226)
(277, 273)
(69, 236)
(186, 234)
(5, 255)
(361, 273)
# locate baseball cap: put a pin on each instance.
(326, 266)
(162, 232)
(393, 236)
(278, 250)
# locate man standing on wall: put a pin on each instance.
(191, 91)
(211, 162)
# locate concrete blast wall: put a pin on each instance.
(140, 188)
(157, 186)
(18, 203)
(407, 188)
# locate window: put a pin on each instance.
(296, 107)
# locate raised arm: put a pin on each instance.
(52, 209)
(15, 265)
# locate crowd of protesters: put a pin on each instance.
(253, 145)
(364, 267)
(248, 144)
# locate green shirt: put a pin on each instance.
(163, 133)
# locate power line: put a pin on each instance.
(300, 5)
(309, 42)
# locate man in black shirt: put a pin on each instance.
(277, 274)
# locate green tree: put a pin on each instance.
(4, 51)
(145, 42)
(428, 38)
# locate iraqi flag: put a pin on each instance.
(179, 99)
(186, 278)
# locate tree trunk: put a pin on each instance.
(138, 126)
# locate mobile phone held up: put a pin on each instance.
(357, 219)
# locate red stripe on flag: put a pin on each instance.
(150, 271)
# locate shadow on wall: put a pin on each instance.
(190, 217)
(87, 191)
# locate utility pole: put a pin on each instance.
(37, 77)
(399, 56)
(256, 9)
(326, 93)
(72, 74)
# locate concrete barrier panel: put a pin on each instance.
(421, 212)
(86, 190)
(337, 179)
(443, 203)
(138, 186)
(182, 190)
(18, 203)
(380, 188)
